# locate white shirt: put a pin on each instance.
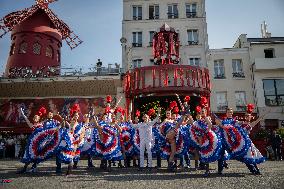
(10, 141)
(145, 130)
(2, 145)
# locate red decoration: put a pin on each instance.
(122, 112)
(137, 113)
(198, 109)
(119, 110)
(250, 108)
(166, 46)
(75, 109)
(41, 111)
(151, 112)
(108, 98)
(203, 101)
(107, 110)
(187, 98)
(173, 104)
(176, 110)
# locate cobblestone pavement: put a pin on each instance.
(237, 176)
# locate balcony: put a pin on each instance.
(137, 17)
(172, 15)
(274, 100)
(241, 108)
(156, 17)
(53, 72)
(192, 42)
(222, 107)
(220, 76)
(136, 44)
(190, 14)
(238, 75)
(167, 79)
(269, 63)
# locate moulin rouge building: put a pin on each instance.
(164, 47)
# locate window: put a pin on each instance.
(222, 103)
(192, 37)
(154, 12)
(219, 69)
(238, 68)
(191, 10)
(194, 61)
(49, 52)
(12, 50)
(136, 63)
(172, 11)
(151, 33)
(23, 48)
(137, 12)
(36, 48)
(274, 92)
(137, 39)
(269, 53)
(240, 100)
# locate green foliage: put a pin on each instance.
(280, 131)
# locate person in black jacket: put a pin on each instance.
(276, 143)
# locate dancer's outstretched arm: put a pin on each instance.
(26, 119)
(209, 123)
(254, 123)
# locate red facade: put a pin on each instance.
(35, 48)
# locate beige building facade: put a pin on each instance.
(231, 79)
(142, 18)
(250, 72)
(267, 67)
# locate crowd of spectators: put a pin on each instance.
(12, 146)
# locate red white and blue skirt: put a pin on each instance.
(182, 141)
(210, 146)
(235, 140)
(126, 138)
(108, 145)
(42, 144)
(253, 155)
(68, 148)
(88, 141)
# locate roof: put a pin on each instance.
(266, 40)
(15, 18)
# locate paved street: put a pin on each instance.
(237, 176)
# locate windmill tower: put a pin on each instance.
(36, 41)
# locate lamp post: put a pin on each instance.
(126, 55)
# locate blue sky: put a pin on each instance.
(98, 24)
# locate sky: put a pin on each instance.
(98, 24)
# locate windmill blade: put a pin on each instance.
(72, 39)
(13, 19)
(3, 28)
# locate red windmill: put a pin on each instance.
(37, 35)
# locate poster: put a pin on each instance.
(11, 119)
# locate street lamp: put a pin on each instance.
(126, 54)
